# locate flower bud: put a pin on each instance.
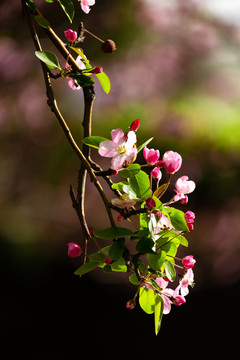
(114, 172)
(74, 249)
(119, 217)
(189, 217)
(108, 46)
(135, 125)
(70, 35)
(172, 161)
(156, 173)
(130, 305)
(188, 262)
(151, 155)
(190, 227)
(97, 70)
(108, 260)
(150, 203)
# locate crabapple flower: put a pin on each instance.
(188, 262)
(179, 300)
(71, 82)
(130, 305)
(120, 149)
(188, 279)
(70, 35)
(85, 5)
(159, 222)
(74, 249)
(123, 202)
(172, 161)
(135, 125)
(183, 187)
(151, 155)
(156, 174)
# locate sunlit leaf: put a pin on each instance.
(160, 190)
(147, 300)
(142, 144)
(119, 265)
(156, 260)
(104, 81)
(80, 52)
(158, 313)
(170, 271)
(177, 219)
(141, 185)
(130, 171)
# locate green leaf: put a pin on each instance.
(171, 247)
(147, 300)
(119, 186)
(170, 271)
(119, 266)
(49, 59)
(130, 171)
(158, 313)
(41, 21)
(68, 8)
(82, 80)
(156, 260)
(113, 233)
(104, 81)
(31, 4)
(107, 268)
(94, 141)
(133, 279)
(140, 184)
(145, 245)
(49, 1)
(177, 219)
(85, 268)
(117, 249)
(142, 144)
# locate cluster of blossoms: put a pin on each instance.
(161, 227)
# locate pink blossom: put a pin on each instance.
(179, 300)
(189, 217)
(135, 125)
(120, 149)
(85, 5)
(188, 262)
(183, 187)
(74, 249)
(160, 222)
(188, 279)
(172, 161)
(156, 173)
(151, 155)
(70, 35)
(123, 202)
(71, 82)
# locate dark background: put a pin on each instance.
(177, 70)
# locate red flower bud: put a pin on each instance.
(97, 70)
(70, 35)
(135, 125)
(107, 260)
(74, 249)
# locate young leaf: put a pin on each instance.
(82, 80)
(104, 81)
(49, 1)
(130, 171)
(147, 300)
(158, 313)
(156, 260)
(42, 21)
(85, 268)
(144, 143)
(93, 141)
(112, 233)
(49, 59)
(119, 266)
(140, 184)
(177, 219)
(160, 190)
(68, 8)
(117, 249)
(170, 271)
(133, 279)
